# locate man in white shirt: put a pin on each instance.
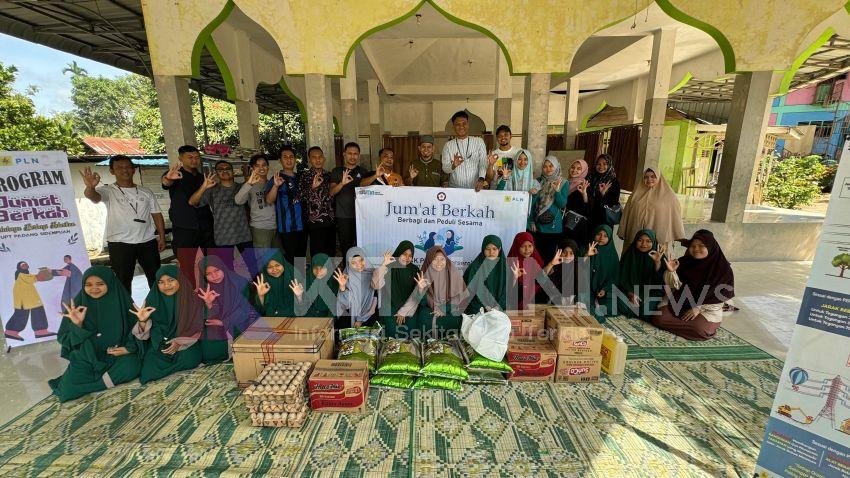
(502, 151)
(464, 158)
(132, 212)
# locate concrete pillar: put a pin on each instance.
(655, 109)
(348, 103)
(748, 118)
(571, 114)
(376, 134)
(248, 121)
(320, 130)
(504, 92)
(537, 116)
(175, 109)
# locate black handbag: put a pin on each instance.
(572, 219)
(546, 218)
(613, 214)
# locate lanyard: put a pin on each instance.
(132, 204)
(457, 145)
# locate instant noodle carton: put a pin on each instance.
(527, 323)
(531, 358)
(574, 368)
(573, 331)
(276, 339)
(339, 386)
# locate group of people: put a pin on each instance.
(566, 256)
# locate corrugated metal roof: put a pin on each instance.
(148, 161)
(112, 146)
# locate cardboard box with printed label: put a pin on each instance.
(527, 323)
(531, 358)
(573, 331)
(339, 386)
(574, 368)
(275, 339)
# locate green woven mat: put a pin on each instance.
(666, 416)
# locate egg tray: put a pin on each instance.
(271, 407)
(280, 419)
(279, 383)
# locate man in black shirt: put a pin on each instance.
(343, 181)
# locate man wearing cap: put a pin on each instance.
(425, 170)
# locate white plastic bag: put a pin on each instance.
(487, 333)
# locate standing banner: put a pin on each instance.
(42, 251)
(457, 219)
(808, 432)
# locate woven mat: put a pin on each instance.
(681, 409)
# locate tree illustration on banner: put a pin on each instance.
(842, 261)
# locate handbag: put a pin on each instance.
(613, 214)
(572, 220)
(546, 218)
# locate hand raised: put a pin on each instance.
(74, 313)
(388, 258)
(173, 173)
(255, 178)
(262, 286)
(317, 180)
(142, 313)
(341, 279)
(457, 160)
(208, 296)
(492, 159)
(296, 287)
(656, 255)
(346, 177)
(517, 270)
(672, 265)
(90, 179)
(278, 180)
(421, 282)
(209, 180)
(413, 172)
(558, 259)
(591, 249)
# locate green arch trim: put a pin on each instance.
(847, 7)
(824, 37)
(593, 113)
(301, 110)
(205, 34)
(226, 74)
(336, 125)
(719, 37)
(681, 84)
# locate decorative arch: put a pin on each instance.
(681, 84)
(820, 41)
(719, 37)
(593, 113)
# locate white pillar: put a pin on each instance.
(248, 121)
(376, 135)
(348, 102)
(537, 116)
(504, 91)
(658, 84)
(748, 118)
(320, 131)
(571, 114)
(175, 109)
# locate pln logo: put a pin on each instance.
(11, 161)
(6, 161)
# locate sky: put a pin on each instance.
(42, 66)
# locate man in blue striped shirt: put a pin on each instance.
(464, 158)
(282, 191)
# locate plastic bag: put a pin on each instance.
(440, 383)
(399, 356)
(488, 333)
(478, 362)
(443, 358)
(487, 378)
(374, 332)
(393, 381)
(360, 349)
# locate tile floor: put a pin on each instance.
(768, 294)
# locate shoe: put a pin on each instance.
(43, 333)
(11, 334)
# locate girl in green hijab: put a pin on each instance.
(486, 277)
(272, 294)
(95, 337)
(394, 291)
(604, 272)
(171, 321)
(320, 295)
(641, 277)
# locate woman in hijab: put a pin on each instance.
(486, 277)
(95, 337)
(576, 216)
(394, 292)
(356, 298)
(272, 293)
(445, 294)
(700, 282)
(320, 296)
(230, 314)
(526, 264)
(561, 281)
(171, 321)
(641, 277)
(546, 213)
(653, 205)
(520, 177)
(604, 272)
(603, 190)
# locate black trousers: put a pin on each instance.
(322, 239)
(123, 258)
(185, 243)
(294, 245)
(347, 231)
(18, 321)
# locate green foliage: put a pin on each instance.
(279, 129)
(828, 178)
(794, 181)
(21, 129)
(842, 262)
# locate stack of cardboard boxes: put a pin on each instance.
(529, 352)
(577, 339)
(339, 386)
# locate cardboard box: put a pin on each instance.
(527, 323)
(573, 331)
(277, 339)
(339, 386)
(531, 358)
(573, 368)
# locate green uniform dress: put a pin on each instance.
(486, 279)
(639, 276)
(280, 300)
(604, 275)
(107, 323)
(319, 294)
(399, 284)
(178, 315)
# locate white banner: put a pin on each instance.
(457, 219)
(42, 252)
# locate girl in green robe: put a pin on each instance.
(486, 277)
(171, 322)
(320, 294)
(641, 277)
(396, 289)
(604, 272)
(272, 294)
(95, 337)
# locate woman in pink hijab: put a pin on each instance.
(576, 225)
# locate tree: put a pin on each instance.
(277, 129)
(794, 181)
(21, 129)
(103, 106)
(842, 262)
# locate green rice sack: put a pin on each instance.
(486, 378)
(393, 381)
(374, 332)
(443, 359)
(399, 356)
(359, 349)
(439, 383)
(476, 361)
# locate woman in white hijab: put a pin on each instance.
(653, 205)
(518, 175)
(356, 298)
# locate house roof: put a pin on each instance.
(110, 146)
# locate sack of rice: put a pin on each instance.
(439, 383)
(443, 358)
(392, 381)
(486, 378)
(399, 356)
(365, 349)
(478, 362)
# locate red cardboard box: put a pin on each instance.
(532, 359)
(573, 331)
(572, 368)
(339, 386)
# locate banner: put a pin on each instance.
(808, 432)
(457, 219)
(42, 251)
